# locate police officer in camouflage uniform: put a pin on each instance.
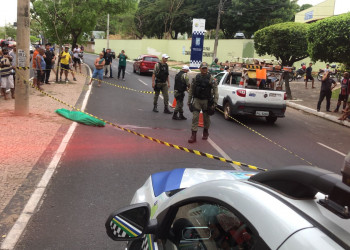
(204, 92)
(160, 82)
(181, 85)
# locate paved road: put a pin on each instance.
(103, 167)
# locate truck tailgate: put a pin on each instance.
(264, 96)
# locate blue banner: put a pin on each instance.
(198, 31)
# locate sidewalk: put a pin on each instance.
(306, 100)
(29, 142)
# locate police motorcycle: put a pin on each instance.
(298, 74)
(334, 73)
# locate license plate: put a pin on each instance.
(150, 70)
(262, 113)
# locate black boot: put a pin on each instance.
(181, 116)
(193, 137)
(13, 93)
(155, 109)
(167, 111)
(205, 134)
(3, 91)
(175, 117)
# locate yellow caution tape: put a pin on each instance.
(115, 85)
(188, 150)
(266, 138)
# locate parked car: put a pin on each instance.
(239, 35)
(298, 207)
(237, 99)
(145, 64)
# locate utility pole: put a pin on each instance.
(220, 7)
(107, 31)
(22, 58)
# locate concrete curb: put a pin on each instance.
(319, 114)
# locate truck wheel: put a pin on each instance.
(271, 119)
(227, 111)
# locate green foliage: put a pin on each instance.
(69, 21)
(285, 41)
(250, 16)
(305, 6)
(34, 39)
(329, 39)
(155, 17)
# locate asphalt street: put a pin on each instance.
(103, 167)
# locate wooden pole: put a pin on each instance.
(22, 58)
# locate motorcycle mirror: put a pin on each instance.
(128, 223)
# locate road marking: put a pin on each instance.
(143, 82)
(29, 209)
(127, 72)
(222, 153)
(334, 150)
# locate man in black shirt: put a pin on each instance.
(309, 76)
(326, 91)
(49, 60)
(108, 65)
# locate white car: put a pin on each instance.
(237, 99)
(299, 207)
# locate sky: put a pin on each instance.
(10, 13)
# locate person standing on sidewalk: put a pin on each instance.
(326, 91)
(122, 64)
(181, 85)
(108, 65)
(344, 91)
(49, 59)
(309, 76)
(65, 60)
(161, 82)
(6, 76)
(99, 69)
(76, 58)
(40, 67)
(203, 95)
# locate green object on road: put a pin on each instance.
(80, 117)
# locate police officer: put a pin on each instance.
(181, 85)
(204, 92)
(160, 82)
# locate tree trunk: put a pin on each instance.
(58, 62)
(286, 80)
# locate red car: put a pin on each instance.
(145, 64)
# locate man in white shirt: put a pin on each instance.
(76, 58)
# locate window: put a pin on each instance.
(218, 77)
(150, 59)
(203, 225)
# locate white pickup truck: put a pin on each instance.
(236, 99)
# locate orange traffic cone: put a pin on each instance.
(200, 121)
(241, 83)
(174, 104)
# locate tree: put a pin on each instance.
(329, 39)
(71, 20)
(305, 6)
(285, 41)
(250, 16)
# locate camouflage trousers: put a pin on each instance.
(164, 88)
(199, 105)
(179, 96)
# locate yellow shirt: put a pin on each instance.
(66, 59)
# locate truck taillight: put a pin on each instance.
(241, 92)
(142, 64)
(285, 96)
